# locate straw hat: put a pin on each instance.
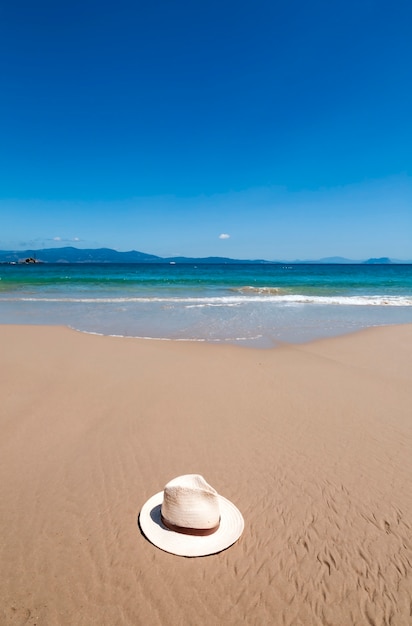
(190, 518)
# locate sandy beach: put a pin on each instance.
(312, 442)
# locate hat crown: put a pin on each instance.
(190, 502)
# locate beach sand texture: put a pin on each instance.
(313, 443)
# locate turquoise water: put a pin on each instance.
(256, 304)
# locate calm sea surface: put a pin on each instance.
(254, 304)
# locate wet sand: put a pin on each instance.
(313, 443)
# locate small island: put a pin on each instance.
(29, 261)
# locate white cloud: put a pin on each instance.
(65, 239)
(224, 236)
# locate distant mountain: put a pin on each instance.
(103, 255)
(215, 259)
(330, 259)
(107, 255)
(382, 261)
(337, 259)
(77, 255)
(343, 261)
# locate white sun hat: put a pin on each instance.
(190, 518)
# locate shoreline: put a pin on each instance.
(258, 342)
(310, 441)
(249, 342)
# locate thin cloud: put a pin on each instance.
(224, 236)
(66, 239)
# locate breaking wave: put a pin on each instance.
(258, 296)
(262, 291)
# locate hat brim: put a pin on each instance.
(230, 528)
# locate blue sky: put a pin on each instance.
(263, 129)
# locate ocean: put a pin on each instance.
(251, 304)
